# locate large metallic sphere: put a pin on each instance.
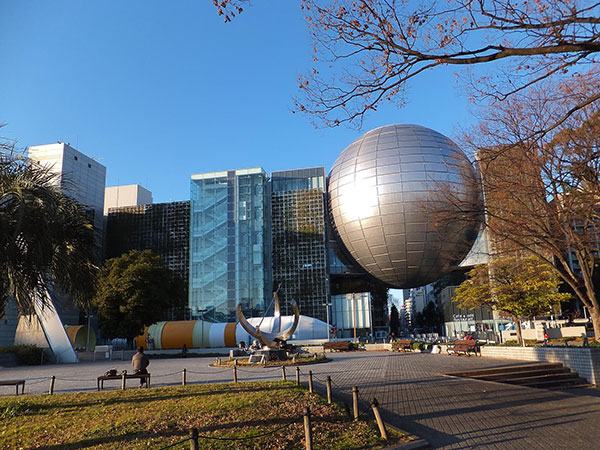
(394, 197)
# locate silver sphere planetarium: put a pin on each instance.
(384, 189)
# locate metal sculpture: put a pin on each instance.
(276, 337)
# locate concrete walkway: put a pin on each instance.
(451, 413)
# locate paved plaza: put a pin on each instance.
(450, 413)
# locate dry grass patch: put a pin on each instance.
(267, 414)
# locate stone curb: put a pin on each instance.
(416, 444)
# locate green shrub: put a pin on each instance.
(27, 355)
(510, 344)
(418, 345)
(593, 343)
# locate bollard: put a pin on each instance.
(123, 381)
(235, 380)
(310, 383)
(194, 439)
(235, 362)
(294, 359)
(51, 391)
(307, 429)
(298, 375)
(184, 377)
(380, 424)
(283, 373)
(355, 401)
(328, 389)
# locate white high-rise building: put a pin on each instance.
(128, 195)
(81, 177)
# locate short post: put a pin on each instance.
(355, 401)
(123, 381)
(294, 359)
(184, 377)
(307, 429)
(235, 380)
(380, 424)
(310, 382)
(298, 375)
(283, 373)
(235, 362)
(328, 389)
(52, 380)
(194, 439)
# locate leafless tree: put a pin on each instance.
(542, 194)
(367, 51)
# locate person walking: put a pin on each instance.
(140, 363)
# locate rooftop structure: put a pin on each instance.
(129, 195)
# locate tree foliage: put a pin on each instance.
(543, 193)
(135, 291)
(367, 51)
(394, 320)
(431, 317)
(521, 287)
(46, 241)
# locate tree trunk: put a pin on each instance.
(518, 328)
(595, 316)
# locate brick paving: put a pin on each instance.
(414, 394)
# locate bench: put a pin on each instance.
(465, 347)
(340, 346)
(402, 344)
(15, 383)
(103, 378)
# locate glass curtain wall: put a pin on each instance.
(229, 233)
(299, 240)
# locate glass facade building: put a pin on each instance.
(230, 243)
(299, 240)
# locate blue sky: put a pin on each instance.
(159, 90)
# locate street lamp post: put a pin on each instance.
(89, 317)
(202, 311)
(354, 315)
(327, 305)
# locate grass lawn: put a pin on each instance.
(157, 417)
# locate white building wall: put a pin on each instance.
(81, 177)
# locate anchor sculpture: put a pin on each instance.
(273, 339)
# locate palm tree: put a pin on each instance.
(46, 241)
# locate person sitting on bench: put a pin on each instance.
(140, 362)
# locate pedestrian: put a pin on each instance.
(140, 363)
